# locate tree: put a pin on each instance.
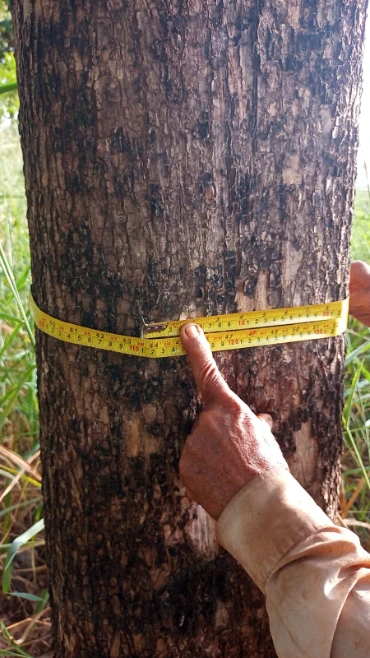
(181, 159)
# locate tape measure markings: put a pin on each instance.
(268, 318)
(163, 345)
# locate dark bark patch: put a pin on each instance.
(121, 142)
(203, 126)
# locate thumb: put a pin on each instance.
(359, 292)
(208, 378)
(359, 278)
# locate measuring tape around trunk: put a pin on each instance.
(224, 332)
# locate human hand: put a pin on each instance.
(359, 291)
(229, 445)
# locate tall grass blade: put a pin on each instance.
(7, 87)
(4, 262)
(14, 548)
(27, 596)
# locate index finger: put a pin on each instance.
(208, 378)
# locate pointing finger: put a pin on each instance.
(208, 378)
(266, 418)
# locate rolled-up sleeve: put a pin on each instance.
(315, 575)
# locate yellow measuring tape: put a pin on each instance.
(224, 332)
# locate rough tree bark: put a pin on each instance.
(182, 158)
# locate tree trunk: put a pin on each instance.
(182, 158)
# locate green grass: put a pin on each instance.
(24, 588)
(24, 594)
(360, 243)
(355, 503)
(9, 101)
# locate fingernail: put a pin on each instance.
(192, 331)
(267, 419)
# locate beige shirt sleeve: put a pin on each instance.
(315, 575)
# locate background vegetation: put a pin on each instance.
(24, 621)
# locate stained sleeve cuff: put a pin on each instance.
(266, 519)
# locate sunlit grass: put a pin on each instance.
(360, 243)
(23, 597)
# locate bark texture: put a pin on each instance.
(182, 158)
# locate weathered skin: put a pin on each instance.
(359, 288)
(229, 446)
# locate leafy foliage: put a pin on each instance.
(6, 28)
(9, 101)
